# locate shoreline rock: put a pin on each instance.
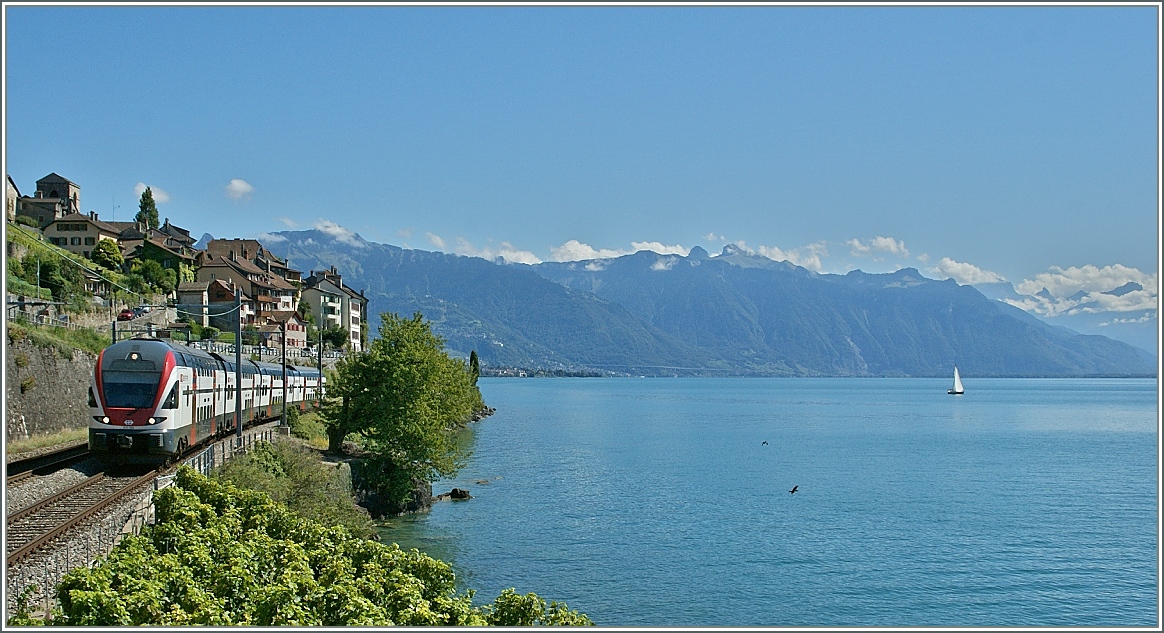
(456, 494)
(481, 414)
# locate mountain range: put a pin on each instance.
(733, 314)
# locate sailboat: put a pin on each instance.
(957, 390)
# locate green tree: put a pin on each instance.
(474, 366)
(304, 311)
(405, 396)
(148, 210)
(163, 279)
(186, 273)
(107, 254)
(335, 336)
(61, 280)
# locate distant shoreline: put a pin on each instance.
(515, 372)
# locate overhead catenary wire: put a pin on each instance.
(68, 258)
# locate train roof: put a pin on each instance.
(155, 350)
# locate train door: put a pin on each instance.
(187, 396)
(228, 398)
(205, 411)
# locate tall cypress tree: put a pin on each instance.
(149, 210)
(474, 366)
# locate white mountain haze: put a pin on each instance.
(737, 313)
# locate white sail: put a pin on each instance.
(957, 383)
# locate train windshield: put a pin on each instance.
(130, 389)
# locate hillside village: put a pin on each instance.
(130, 264)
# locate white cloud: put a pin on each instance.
(435, 240)
(660, 248)
(924, 258)
(964, 273)
(1064, 282)
(573, 251)
(271, 237)
(1083, 290)
(160, 195)
(595, 266)
(712, 237)
(339, 233)
(876, 245)
(289, 222)
(404, 233)
(1145, 318)
(237, 189)
(807, 256)
(664, 263)
(506, 252)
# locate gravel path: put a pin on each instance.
(27, 492)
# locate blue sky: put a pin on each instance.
(979, 143)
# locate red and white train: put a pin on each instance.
(152, 400)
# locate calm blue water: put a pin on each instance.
(653, 502)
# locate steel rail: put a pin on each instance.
(41, 464)
(46, 502)
(46, 538)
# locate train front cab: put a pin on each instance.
(134, 402)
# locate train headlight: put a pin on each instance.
(154, 420)
(105, 420)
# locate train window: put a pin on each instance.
(172, 399)
(135, 364)
(130, 395)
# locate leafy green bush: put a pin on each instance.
(18, 286)
(294, 476)
(222, 556)
(63, 340)
(307, 426)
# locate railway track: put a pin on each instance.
(21, 469)
(39, 524)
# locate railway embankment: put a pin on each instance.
(47, 386)
(83, 533)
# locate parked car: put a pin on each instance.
(125, 315)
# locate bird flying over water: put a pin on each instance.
(793, 491)
(764, 443)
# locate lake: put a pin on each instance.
(655, 502)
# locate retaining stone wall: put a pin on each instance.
(45, 391)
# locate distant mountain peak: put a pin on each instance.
(203, 241)
(730, 249)
(1131, 286)
(697, 252)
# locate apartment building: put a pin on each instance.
(79, 233)
(335, 304)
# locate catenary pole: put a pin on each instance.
(238, 363)
(283, 336)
